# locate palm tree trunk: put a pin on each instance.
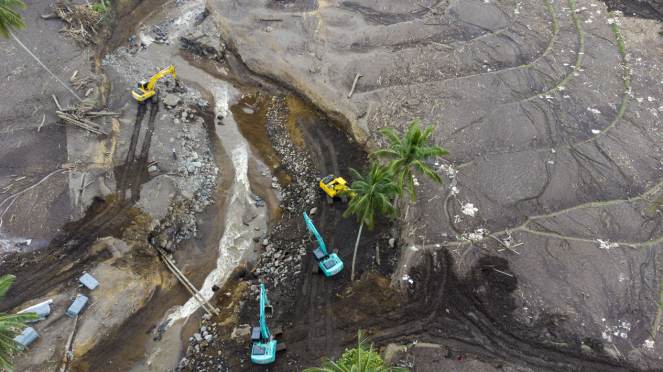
(354, 257)
(44, 66)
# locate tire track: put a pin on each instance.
(70, 252)
(318, 283)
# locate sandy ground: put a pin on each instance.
(558, 152)
(550, 112)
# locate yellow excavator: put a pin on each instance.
(146, 89)
(333, 185)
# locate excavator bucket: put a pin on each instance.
(179, 86)
(269, 311)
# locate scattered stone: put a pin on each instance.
(171, 100)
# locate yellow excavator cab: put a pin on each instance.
(146, 89)
(332, 186)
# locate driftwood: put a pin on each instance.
(79, 116)
(81, 21)
(81, 122)
(354, 84)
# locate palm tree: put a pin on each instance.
(9, 19)
(409, 153)
(10, 325)
(369, 193)
(10, 22)
(360, 363)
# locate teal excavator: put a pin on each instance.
(264, 345)
(329, 263)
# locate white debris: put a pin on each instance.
(606, 336)
(651, 99)
(474, 236)
(408, 279)
(413, 249)
(596, 131)
(594, 111)
(639, 99)
(605, 244)
(454, 191)
(560, 88)
(469, 209)
(649, 344)
(449, 170)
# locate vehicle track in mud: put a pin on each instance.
(70, 252)
(320, 286)
(473, 314)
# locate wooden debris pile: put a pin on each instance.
(79, 116)
(81, 21)
(87, 82)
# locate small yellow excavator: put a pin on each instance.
(332, 185)
(146, 89)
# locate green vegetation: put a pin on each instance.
(369, 192)
(10, 326)
(101, 8)
(409, 154)
(9, 19)
(361, 359)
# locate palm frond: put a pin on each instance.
(392, 135)
(413, 194)
(429, 129)
(386, 154)
(9, 19)
(17, 320)
(5, 282)
(426, 171)
(433, 151)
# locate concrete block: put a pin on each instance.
(89, 281)
(77, 306)
(29, 334)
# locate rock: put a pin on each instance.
(313, 210)
(208, 338)
(269, 29)
(228, 294)
(197, 164)
(176, 121)
(265, 242)
(241, 333)
(152, 168)
(184, 115)
(191, 168)
(203, 329)
(392, 241)
(198, 337)
(171, 100)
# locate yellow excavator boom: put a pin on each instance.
(146, 89)
(160, 74)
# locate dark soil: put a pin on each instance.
(638, 8)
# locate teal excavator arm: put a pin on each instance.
(312, 230)
(263, 301)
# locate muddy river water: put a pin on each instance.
(235, 124)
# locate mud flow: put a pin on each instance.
(539, 250)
